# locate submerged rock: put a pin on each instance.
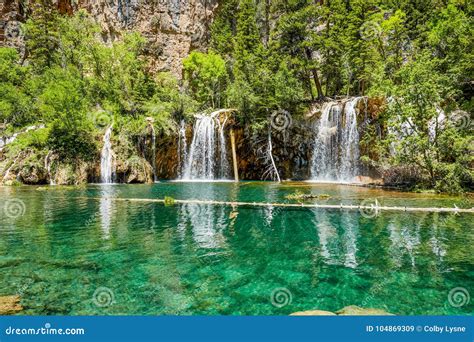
(10, 305)
(353, 310)
(313, 313)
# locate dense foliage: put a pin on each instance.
(264, 55)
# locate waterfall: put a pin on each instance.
(153, 160)
(107, 158)
(47, 164)
(350, 142)
(182, 148)
(4, 141)
(336, 147)
(207, 158)
(225, 167)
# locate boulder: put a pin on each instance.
(10, 305)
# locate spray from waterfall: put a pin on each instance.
(107, 159)
(336, 147)
(207, 157)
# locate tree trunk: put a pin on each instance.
(315, 74)
(234, 155)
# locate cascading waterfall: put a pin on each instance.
(336, 148)
(107, 159)
(153, 148)
(207, 158)
(47, 165)
(4, 141)
(224, 161)
(182, 148)
(350, 142)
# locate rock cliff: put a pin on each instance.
(172, 28)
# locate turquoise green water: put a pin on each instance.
(78, 252)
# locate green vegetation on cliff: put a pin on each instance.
(263, 56)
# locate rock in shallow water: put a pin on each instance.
(313, 313)
(353, 310)
(10, 305)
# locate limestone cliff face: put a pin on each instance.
(172, 28)
(12, 13)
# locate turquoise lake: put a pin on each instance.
(85, 251)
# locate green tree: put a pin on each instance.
(41, 34)
(15, 105)
(206, 76)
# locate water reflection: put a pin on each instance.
(207, 222)
(350, 226)
(404, 238)
(327, 234)
(337, 246)
(106, 209)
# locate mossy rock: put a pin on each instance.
(169, 201)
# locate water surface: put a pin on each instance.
(66, 244)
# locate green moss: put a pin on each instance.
(169, 201)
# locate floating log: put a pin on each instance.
(366, 208)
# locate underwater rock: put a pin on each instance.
(313, 313)
(353, 310)
(10, 305)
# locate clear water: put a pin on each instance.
(65, 244)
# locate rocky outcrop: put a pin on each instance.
(172, 28)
